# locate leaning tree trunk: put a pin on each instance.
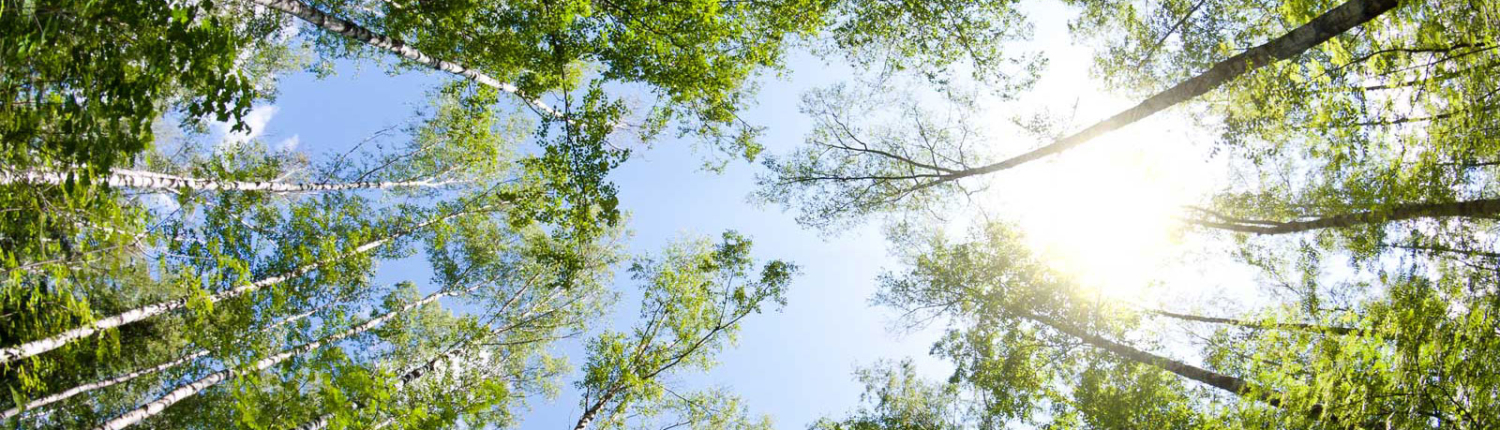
(39, 346)
(1214, 379)
(593, 411)
(1237, 386)
(1314, 328)
(138, 179)
(69, 393)
(364, 35)
(156, 406)
(411, 375)
(1332, 23)
(1483, 208)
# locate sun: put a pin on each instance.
(1107, 213)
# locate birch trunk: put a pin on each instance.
(69, 393)
(1483, 208)
(47, 344)
(138, 179)
(411, 375)
(1236, 386)
(1259, 325)
(352, 30)
(1332, 23)
(156, 406)
(593, 411)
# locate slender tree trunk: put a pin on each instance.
(100, 384)
(1332, 23)
(47, 344)
(1214, 379)
(1256, 324)
(364, 35)
(1463, 209)
(138, 179)
(1236, 386)
(593, 411)
(1439, 249)
(156, 406)
(411, 375)
(69, 393)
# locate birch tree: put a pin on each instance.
(142, 180)
(1024, 339)
(533, 49)
(152, 408)
(694, 296)
(127, 377)
(38, 346)
(83, 81)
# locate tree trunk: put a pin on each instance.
(1463, 209)
(1259, 325)
(1332, 23)
(1214, 379)
(1439, 249)
(364, 35)
(98, 385)
(126, 377)
(411, 375)
(43, 345)
(593, 411)
(156, 406)
(1237, 386)
(159, 181)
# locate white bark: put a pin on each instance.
(156, 406)
(43, 345)
(44, 401)
(101, 384)
(364, 35)
(138, 179)
(406, 377)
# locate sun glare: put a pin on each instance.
(1107, 213)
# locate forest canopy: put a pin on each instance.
(1186, 214)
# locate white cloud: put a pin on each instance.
(289, 144)
(257, 119)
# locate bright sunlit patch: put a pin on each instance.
(1108, 213)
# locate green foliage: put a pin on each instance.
(698, 57)
(896, 398)
(693, 298)
(83, 81)
(930, 38)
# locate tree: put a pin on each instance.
(164, 182)
(697, 57)
(38, 346)
(1014, 324)
(1463, 209)
(896, 398)
(694, 297)
(83, 81)
(127, 377)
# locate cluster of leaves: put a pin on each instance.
(83, 81)
(694, 298)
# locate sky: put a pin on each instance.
(1103, 211)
